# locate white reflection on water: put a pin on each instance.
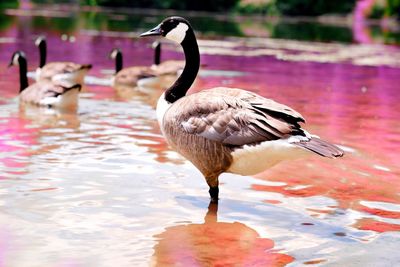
(101, 187)
(91, 193)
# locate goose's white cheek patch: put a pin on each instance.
(114, 54)
(178, 33)
(15, 60)
(37, 42)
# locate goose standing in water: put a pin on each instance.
(227, 129)
(129, 77)
(45, 92)
(58, 71)
(168, 67)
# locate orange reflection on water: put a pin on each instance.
(345, 184)
(373, 225)
(214, 243)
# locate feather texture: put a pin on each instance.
(63, 71)
(252, 133)
(129, 77)
(234, 117)
(48, 93)
(168, 67)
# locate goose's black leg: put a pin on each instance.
(214, 192)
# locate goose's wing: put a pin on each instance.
(38, 92)
(139, 72)
(169, 67)
(234, 117)
(130, 76)
(53, 68)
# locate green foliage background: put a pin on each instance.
(387, 8)
(204, 5)
(8, 4)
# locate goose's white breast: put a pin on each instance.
(253, 159)
(162, 107)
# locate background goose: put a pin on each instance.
(44, 92)
(58, 71)
(227, 129)
(168, 67)
(128, 77)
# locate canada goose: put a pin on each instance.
(44, 92)
(58, 71)
(128, 77)
(168, 67)
(227, 129)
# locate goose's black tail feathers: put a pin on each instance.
(321, 147)
(86, 66)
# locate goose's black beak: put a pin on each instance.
(153, 32)
(10, 64)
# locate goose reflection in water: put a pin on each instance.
(214, 243)
(45, 117)
(23, 132)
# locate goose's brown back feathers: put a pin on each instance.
(129, 77)
(46, 92)
(77, 71)
(228, 119)
(169, 67)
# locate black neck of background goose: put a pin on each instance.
(43, 53)
(157, 54)
(118, 62)
(192, 58)
(23, 69)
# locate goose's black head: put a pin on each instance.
(40, 41)
(172, 28)
(16, 58)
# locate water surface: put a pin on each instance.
(101, 187)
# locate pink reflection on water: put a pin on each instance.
(349, 105)
(353, 106)
(15, 129)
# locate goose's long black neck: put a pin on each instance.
(118, 62)
(43, 53)
(157, 54)
(192, 57)
(23, 78)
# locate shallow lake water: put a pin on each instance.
(101, 187)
